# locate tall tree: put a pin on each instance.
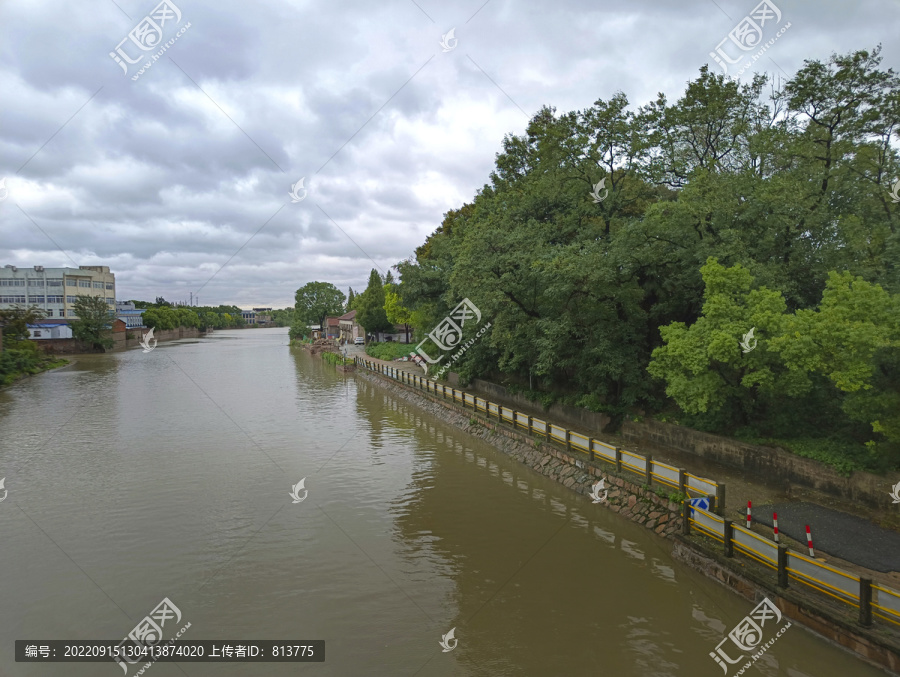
(317, 300)
(94, 322)
(370, 311)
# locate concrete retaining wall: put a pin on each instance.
(776, 465)
(559, 413)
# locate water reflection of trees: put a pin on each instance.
(533, 564)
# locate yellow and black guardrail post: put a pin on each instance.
(865, 602)
(782, 566)
(729, 538)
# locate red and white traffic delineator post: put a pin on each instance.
(775, 522)
(812, 552)
(749, 508)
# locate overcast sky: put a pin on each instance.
(179, 180)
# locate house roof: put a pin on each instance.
(332, 321)
(348, 316)
(48, 325)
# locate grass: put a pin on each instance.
(23, 358)
(389, 350)
(334, 358)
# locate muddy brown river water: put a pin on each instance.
(135, 477)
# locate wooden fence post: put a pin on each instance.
(591, 447)
(686, 518)
(568, 441)
(720, 499)
(648, 471)
(681, 481)
(618, 460)
(729, 538)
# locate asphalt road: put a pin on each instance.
(837, 533)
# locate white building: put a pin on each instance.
(49, 330)
(54, 290)
(131, 316)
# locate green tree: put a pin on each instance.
(395, 312)
(351, 299)
(317, 300)
(94, 322)
(370, 311)
(14, 321)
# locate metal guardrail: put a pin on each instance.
(874, 600)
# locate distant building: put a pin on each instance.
(49, 330)
(263, 316)
(350, 329)
(131, 316)
(332, 327)
(54, 290)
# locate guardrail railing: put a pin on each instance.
(859, 592)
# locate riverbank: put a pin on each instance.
(20, 362)
(878, 645)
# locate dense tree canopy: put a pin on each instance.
(612, 232)
(370, 312)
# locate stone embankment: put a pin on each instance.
(629, 500)
(876, 645)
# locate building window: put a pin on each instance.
(110, 300)
(70, 299)
(55, 299)
(36, 282)
(98, 285)
(56, 282)
(35, 299)
(84, 284)
(49, 312)
(9, 282)
(12, 299)
(110, 285)
(37, 333)
(71, 282)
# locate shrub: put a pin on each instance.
(335, 358)
(389, 350)
(22, 358)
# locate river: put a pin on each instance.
(134, 477)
